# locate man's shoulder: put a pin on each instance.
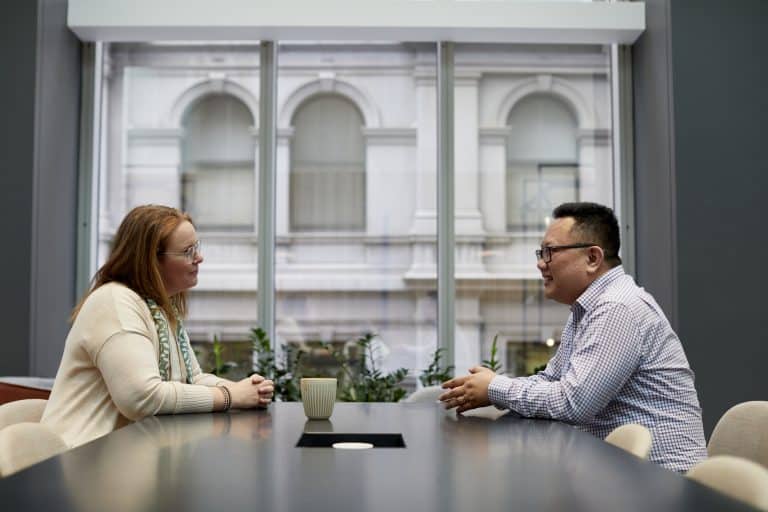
(625, 294)
(622, 290)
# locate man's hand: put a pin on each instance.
(468, 392)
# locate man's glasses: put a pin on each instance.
(545, 253)
(190, 253)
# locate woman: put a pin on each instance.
(127, 355)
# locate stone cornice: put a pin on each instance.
(390, 136)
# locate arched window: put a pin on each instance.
(327, 176)
(218, 154)
(542, 161)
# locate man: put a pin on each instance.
(619, 361)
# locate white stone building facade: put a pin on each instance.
(356, 182)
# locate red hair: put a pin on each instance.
(134, 260)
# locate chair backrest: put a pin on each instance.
(739, 478)
(21, 388)
(30, 410)
(743, 432)
(25, 444)
(634, 438)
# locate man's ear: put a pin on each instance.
(595, 257)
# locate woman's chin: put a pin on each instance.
(190, 284)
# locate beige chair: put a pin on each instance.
(30, 410)
(25, 444)
(21, 388)
(634, 438)
(739, 478)
(743, 432)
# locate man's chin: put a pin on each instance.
(551, 294)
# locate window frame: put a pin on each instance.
(616, 24)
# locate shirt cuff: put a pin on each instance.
(501, 390)
(193, 398)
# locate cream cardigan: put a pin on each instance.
(109, 376)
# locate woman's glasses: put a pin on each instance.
(190, 253)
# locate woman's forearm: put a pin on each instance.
(219, 399)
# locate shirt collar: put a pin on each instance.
(591, 295)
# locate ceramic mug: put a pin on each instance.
(318, 395)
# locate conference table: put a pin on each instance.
(424, 459)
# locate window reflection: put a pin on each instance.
(218, 164)
(542, 168)
(327, 166)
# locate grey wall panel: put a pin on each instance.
(720, 72)
(39, 95)
(701, 112)
(55, 195)
(17, 104)
(654, 170)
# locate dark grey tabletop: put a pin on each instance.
(249, 461)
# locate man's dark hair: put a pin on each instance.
(595, 223)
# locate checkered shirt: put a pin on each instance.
(619, 362)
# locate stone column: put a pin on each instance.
(390, 175)
(595, 163)
(424, 224)
(425, 216)
(468, 221)
(152, 165)
(282, 184)
(493, 178)
(467, 155)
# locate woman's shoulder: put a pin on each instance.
(108, 310)
(114, 291)
(117, 301)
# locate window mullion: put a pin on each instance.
(446, 285)
(266, 202)
(623, 150)
(89, 169)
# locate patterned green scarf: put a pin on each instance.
(161, 324)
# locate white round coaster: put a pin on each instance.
(352, 446)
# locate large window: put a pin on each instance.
(356, 187)
(356, 218)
